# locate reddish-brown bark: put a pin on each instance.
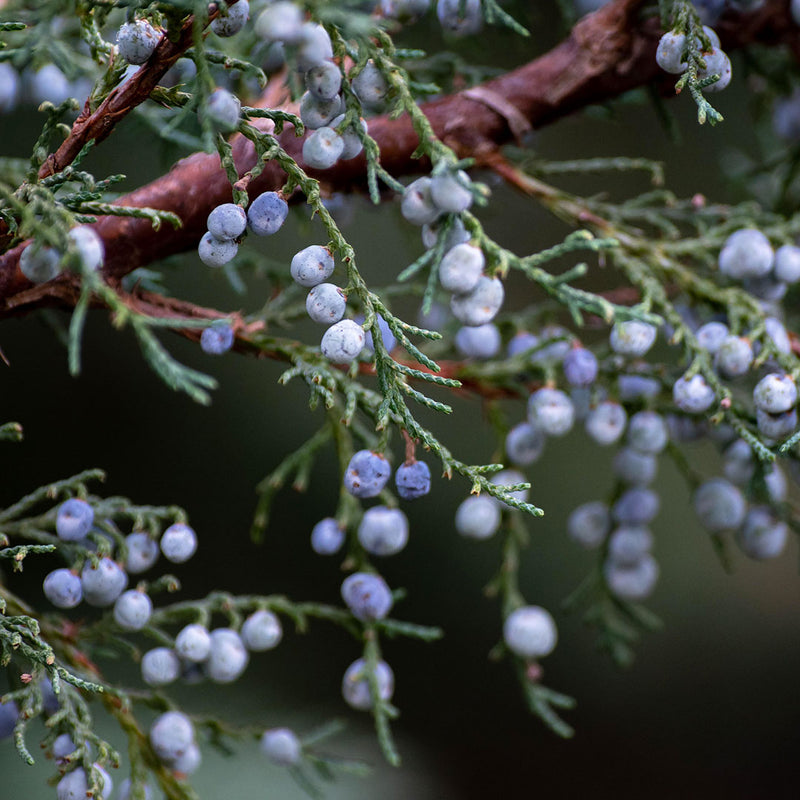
(606, 54)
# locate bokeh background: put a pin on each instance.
(711, 706)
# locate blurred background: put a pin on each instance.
(710, 708)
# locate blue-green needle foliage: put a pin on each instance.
(629, 361)
(63, 686)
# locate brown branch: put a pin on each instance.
(158, 306)
(122, 100)
(606, 54)
(97, 125)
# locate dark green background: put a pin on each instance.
(711, 706)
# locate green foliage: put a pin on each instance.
(659, 253)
